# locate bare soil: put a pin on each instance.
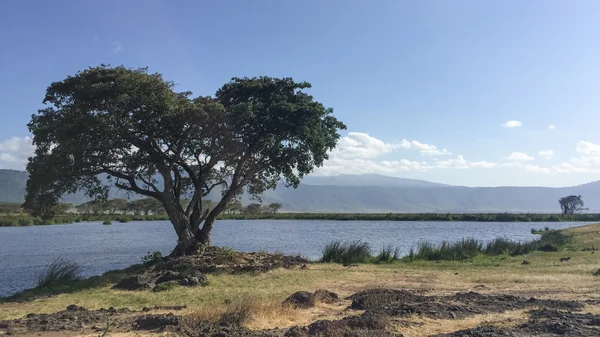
(378, 311)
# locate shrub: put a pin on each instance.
(152, 258)
(347, 252)
(107, 222)
(58, 272)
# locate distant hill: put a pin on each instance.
(376, 193)
(12, 185)
(369, 180)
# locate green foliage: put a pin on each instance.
(346, 252)
(253, 209)
(58, 272)
(107, 222)
(274, 207)
(465, 249)
(571, 204)
(133, 128)
(151, 259)
(470, 217)
(388, 254)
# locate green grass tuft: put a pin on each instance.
(59, 272)
(346, 252)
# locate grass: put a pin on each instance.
(388, 254)
(346, 252)
(258, 297)
(59, 272)
(550, 241)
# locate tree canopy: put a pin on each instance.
(149, 139)
(571, 204)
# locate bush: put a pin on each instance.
(347, 252)
(58, 272)
(107, 222)
(152, 258)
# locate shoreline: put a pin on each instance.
(454, 297)
(25, 220)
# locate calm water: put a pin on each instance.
(25, 251)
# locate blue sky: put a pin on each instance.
(409, 79)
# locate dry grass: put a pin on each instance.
(427, 326)
(260, 295)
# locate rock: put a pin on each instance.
(136, 282)
(525, 262)
(151, 322)
(3, 326)
(168, 276)
(597, 272)
(479, 286)
(326, 296)
(300, 299)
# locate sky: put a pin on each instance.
(475, 93)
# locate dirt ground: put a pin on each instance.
(488, 297)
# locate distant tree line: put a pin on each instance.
(146, 206)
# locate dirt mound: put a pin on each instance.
(305, 299)
(215, 259)
(82, 321)
(543, 323)
(379, 298)
(74, 318)
(184, 326)
(403, 303)
(190, 270)
(366, 325)
(485, 331)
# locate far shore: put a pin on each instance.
(16, 220)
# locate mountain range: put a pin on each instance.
(377, 193)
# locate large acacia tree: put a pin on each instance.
(571, 204)
(113, 126)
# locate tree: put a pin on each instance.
(62, 208)
(571, 204)
(146, 138)
(116, 205)
(234, 207)
(253, 208)
(274, 207)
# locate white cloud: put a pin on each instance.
(536, 168)
(424, 149)
(518, 156)
(511, 124)
(482, 164)
(546, 154)
(361, 145)
(357, 153)
(458, 163)
(15, 151)
(551, 127)
(117, 47)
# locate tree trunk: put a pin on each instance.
(186, 242)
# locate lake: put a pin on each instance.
(25, 251)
